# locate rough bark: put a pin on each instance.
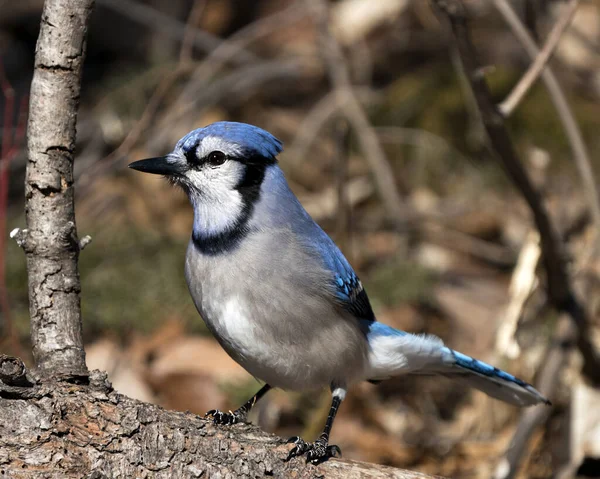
(51, 243)
(61, 430)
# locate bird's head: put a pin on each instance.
(221, 167)
(216, 160)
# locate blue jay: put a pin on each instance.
(278, 294)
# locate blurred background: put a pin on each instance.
(461, 264)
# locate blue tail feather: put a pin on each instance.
(483, 370)
(397, 352)
(480, 367)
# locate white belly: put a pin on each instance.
(258, 351)
(281, 352)
(239, 335)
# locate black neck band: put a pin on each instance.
(249, 189)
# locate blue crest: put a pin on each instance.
(252, 139)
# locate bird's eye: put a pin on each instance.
(216, 158)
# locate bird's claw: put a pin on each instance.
(224, 418)
(316, 452)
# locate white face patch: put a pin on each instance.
(212, 188)
(217, 203)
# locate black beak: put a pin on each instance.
(156, 166)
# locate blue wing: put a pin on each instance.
(348, 288)
(352, 295)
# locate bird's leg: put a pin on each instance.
(240, 414)
(320, 450)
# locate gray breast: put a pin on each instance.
(268, 305)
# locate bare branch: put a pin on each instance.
(155, 100)
(218, 58)
(51, 246)
(157, 20)
(189, 33)
(522, 284)
(397, 211)
(315, 120)
(578, 148)
(344, 209)
(537, 67)
(199, 83)
(557, 357)
(558, 282)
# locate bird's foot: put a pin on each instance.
(316, 452)
(226, 418)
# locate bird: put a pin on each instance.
(278, 294)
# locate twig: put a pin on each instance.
(475, 135)
(189, 33)
(432, 229)
(559, 283)
(315, 120)
(419, 138)
(502, 145)
(185, 56)
(560, 287)
(522, 285)
(397, 211)
(154, 102)
(239, 40)
(134, 134)
(342, 228)
(218, 58)
(578, 148)
(537, 67)
(256, 72)
(234, 87)
(83, 242)
(584, 41)
(557, 357)
(524, 280)
(159, 21)
(323, 205)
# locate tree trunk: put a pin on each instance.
(61, 430)
(50, 241)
